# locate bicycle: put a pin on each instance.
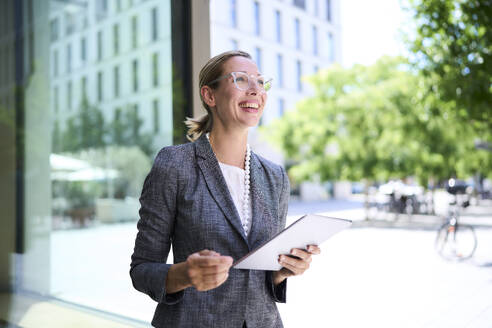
(456, 241)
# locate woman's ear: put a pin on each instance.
(208, 96)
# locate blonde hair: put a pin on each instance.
(211, 71)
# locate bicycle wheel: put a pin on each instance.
(456, 242)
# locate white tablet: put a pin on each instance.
(311, 229)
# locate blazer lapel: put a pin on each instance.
(261, 219)
(216, 183)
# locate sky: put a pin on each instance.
(370, 29)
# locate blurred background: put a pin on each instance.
(380, 110)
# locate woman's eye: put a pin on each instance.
(261, 82)
(240, 79)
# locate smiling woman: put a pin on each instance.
(215, 200)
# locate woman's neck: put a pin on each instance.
(229, 146)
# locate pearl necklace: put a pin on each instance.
(245, 209)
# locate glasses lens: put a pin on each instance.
(242, 80)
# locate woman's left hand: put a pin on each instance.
(295, 264)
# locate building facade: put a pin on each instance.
(288, 39)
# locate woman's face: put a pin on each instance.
(236, 108)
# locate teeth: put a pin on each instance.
(252, 105)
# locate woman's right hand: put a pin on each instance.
(203, 270)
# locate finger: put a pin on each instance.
(291, 267)
(301, 254)
(206, 261)
(314, 249)
(212, 270)
(207, 252)
(296, 263)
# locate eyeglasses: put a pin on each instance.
(243, 81)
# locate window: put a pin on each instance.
(155, 69)
(83, 49)
(300, 4)
(54, 30)
(258, 58)
(233, 13)
(281, 107)
(256, 9)
(69, 23)
(118, 5)
(134, 31)
(297, 31)
(100, 86)
(316, 7)
(155, 108)
(328, 10)
(84, 87)
(280, 70)
(55, 99)
(101, 9)
(69, 58)
(315, 40)
(299, 75)
(69, 95)
(55, 63)
(316, 69)
(331, 48)
(99, 45)
(135, 75)
(155, 24)
(233, 44)
(116, 81)
(278, 26)
(116, 39)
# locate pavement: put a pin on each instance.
(381, 272)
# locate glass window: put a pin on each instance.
(54, 29)
(297, 32)
(233, 44)
(299, 75)
(315, 40)
(134, 31)
(135, 75)
(300, 4)
(55, 63)
(69, 58)
(256, 10)
(155, 69)
(328, 10)
(84, 164)
(69, 95)
(280, 70)
(100, 85)
(83, 49)
(116, 81)
(316, 7)
(155, 107)
(233, 13)
(281, 105)
(99, 45)
(278, 26)
(258, 58)
(155, 24)
(116, 39)
(331, 47)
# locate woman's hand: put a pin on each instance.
(295, 264)
(203, 270)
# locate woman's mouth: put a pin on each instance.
(250, 107)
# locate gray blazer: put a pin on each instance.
(185, 203)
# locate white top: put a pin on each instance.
(234, 177)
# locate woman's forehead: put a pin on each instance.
(240, 64)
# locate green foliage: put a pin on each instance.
(453, 45)
(87, 129)
(377, 122)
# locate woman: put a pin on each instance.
(214, 200)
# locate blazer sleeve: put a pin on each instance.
(279, 292)
(148, 269)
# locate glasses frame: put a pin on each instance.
(233, 74)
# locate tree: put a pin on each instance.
(453, 46)
(374, 123)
